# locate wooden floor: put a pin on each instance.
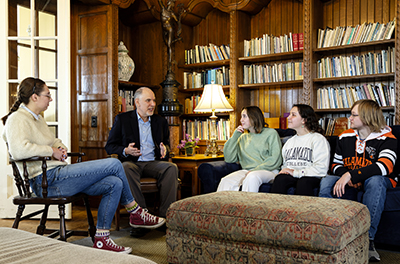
(78, 222)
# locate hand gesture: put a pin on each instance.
(60, 153)
(163, 150)
(240, 129)
(286, 171)
(340, 185)
(131, 150)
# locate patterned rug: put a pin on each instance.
(152, 246)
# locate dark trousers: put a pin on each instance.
(166, 174)
(304, 185)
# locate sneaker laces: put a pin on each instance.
(111, 243)
(146, 217)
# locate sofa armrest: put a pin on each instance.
(210, 173)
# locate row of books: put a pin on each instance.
(334, 126)
(199, 79)
(365, 32)
(339, 97)
(353, 65)
(125, 101)
(201, 128)
(276, 72)
(270, 44)
(208, 53)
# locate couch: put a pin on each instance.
(18, 246)
(388, 234)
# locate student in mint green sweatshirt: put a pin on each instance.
(256, 148)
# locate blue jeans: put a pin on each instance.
(374, 196)
(104, 177)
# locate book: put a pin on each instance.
(272, 122)
(341, 125)
(301, 41)
(295, 41)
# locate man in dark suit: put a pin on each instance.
(141, 140)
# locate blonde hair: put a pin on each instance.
(370, 114)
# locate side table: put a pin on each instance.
(190, 164)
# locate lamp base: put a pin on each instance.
(213, 149)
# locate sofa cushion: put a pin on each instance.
(311, 223)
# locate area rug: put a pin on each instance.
(151, 246)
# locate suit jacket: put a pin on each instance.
(126, 130)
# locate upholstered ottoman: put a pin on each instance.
(240, 227)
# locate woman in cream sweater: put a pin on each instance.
(27, 135)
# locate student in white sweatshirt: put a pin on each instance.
(305, 155)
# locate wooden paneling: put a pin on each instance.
(94, 45)
(278, 18)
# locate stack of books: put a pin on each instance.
(195, 79)
(270, 44)
(275, 72)
(353, 65)
(365, 32)
(339, 97)
(208, 53)
(200, 128)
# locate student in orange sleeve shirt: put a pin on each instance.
(364, 158)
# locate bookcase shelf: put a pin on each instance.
(205, 65)
(131, 86)
(347, 110)
(369, 77)
(356, 46)
(254, 86)
(273, 57)
(222, 114)
(200, 90)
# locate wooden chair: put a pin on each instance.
(26, 196)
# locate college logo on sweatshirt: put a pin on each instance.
(298, 156)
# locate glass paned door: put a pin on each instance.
(35, 38)
(32, 35)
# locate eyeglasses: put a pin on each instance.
(47, 95)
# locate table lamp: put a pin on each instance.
(213, 100)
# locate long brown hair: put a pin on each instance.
(256, 117)
(26, 89)
(311, 120)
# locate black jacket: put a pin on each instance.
(126, 130)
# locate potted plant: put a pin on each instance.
(189, 145)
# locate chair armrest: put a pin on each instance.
(36, 158)
(211, 173)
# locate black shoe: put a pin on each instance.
(162, 228)
(372, 253)
(139, 232)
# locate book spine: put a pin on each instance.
(301, 41)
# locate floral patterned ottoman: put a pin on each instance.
(241, 227)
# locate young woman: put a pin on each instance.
(256, 148)
(28, 135)
(305, 155)
(364, 158)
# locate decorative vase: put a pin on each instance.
(189, 151)
(126, 66)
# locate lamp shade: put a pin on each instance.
(213, 100)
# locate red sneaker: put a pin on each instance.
(143, 219)
(106, 243)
